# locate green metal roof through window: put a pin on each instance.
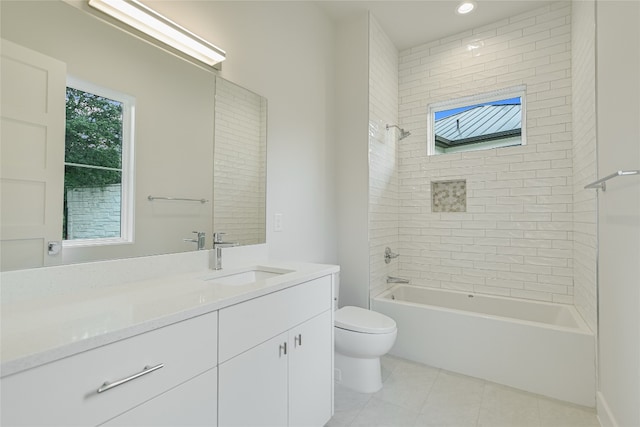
(481, 123)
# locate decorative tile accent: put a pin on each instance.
(449, 196)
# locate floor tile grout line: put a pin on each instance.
(484, 387)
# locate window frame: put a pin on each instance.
(481, 98)
(127, 201)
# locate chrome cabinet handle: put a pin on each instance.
(147, 370)
(283, 349)
(298, 340)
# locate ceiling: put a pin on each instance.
(411, 23)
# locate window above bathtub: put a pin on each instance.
(478, 122)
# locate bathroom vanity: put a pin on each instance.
(244, 346)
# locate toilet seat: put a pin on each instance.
(364, 321)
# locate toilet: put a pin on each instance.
(361, 337)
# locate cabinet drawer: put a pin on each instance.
(250, 323)
(65, 392)
(193, 403)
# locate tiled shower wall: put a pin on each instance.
(516, 237)
(584, 159)
(240, 164)
(383, 164)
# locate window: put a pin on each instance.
(479, 122)
(98, 193)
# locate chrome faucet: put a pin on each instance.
(199, 240)
(388, 255)
(218, 244)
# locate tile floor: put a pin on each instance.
(418, 395)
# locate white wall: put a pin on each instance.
(516, 237)
(284, 52)
(352, 160)
(618, 129)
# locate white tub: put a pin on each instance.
(543, 348)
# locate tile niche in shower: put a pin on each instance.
(449, 196)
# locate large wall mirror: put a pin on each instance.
(176, 107)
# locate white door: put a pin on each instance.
(310, 372)
(252, 389)
(32, 156)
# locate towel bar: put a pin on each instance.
(601, 183)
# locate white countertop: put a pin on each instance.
(42, 330)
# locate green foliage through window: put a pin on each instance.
(93, 146)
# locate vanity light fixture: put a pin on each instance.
(150, 22)
(465, 7)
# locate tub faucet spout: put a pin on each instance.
(391, 279)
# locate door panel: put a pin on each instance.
(253, 387)
(32, 152)
(310, 372)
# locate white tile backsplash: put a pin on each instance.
(383, 161)
(584, 160)
(240, 165)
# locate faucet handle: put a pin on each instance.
(217, 237)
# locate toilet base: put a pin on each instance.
(359, 374)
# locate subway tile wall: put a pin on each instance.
(240, 163)
(383, 162)
(516, 237)
(584, 160)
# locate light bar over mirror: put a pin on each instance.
(148, 21)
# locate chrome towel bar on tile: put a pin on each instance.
(601, 183)
(152, 198)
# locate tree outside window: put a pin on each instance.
(93, 181)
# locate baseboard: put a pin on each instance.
(605, 416)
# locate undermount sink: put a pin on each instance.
(248, 276)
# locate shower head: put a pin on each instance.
(403, 133)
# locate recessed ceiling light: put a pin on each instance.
(465, 7)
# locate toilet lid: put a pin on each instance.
(361, 320)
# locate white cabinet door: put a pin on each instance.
(193, 403)
(253, 386)
(32, 155)
(310, 372)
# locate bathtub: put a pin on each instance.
(539, 347)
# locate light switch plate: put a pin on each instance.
(277, 222)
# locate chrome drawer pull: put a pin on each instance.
(147, 370)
